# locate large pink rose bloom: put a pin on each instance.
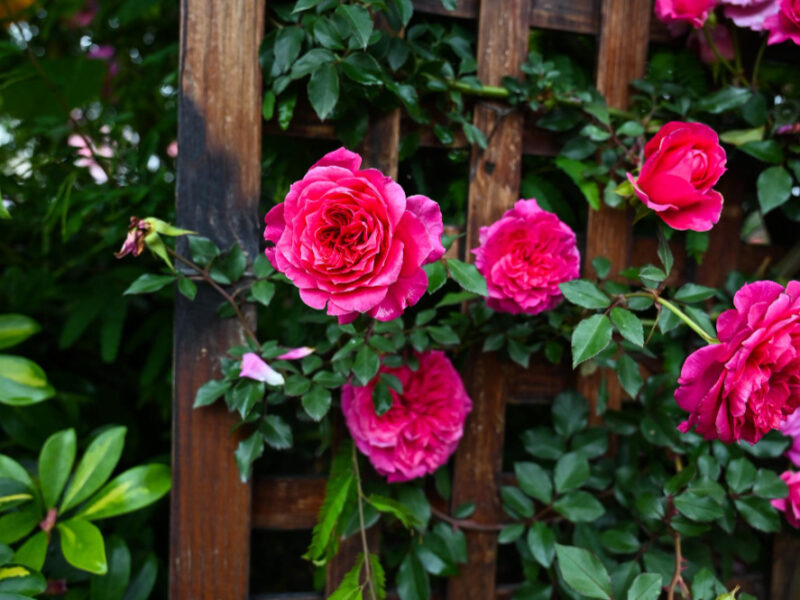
(682, 163)
(785, 24)
(422, 428)
(791, 427)
(694, 12)
(750, 14)
(524, 256)
(350, 240)
(749, 383)
(791, 504)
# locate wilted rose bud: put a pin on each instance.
(134, 242)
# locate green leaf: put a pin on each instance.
(629, 376)
(768, 151)
(13, 493)
(83, 546)
(362, 68)
(381, 397)
(769, 485)
(148, 283)
(95, 467)
(443, 334)
(359, 20)
(142, 584)
(584, 293)
(111, 586)
(628, 324)
(337, 490)
(759, 513)
(20, 582)
(583, 572)
(738, 137)
(302, 5)
(412, 579)
(516, 503)
(646, 586)
(437, 275)
(570, 413)
(698, 508)
(467, 276)
(601, 266)
(203, 250)
(579, 507)
(726, 99)
(263, 291)
(277, 432)
(541, 543)
(774, 188)
(323, 90)
(576, 170)
(17, 524)
(55, 465)
(534, 481)
(691, 292)
(127, 492)
(187, 287)
(15, 329)
(210, 392)
(288, 43)
(34, 551)
(268, 105)
(350, 587)
(22, 382)
(510, 533)
(619, 541)
(740, 475)
(247, 452)
(317, 402)
(590, 337)
(571, 472)
(366, 365)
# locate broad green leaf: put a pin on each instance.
(142, 583)
(33, 552)
(17, 524)
(263, 291)
(187, 287)
(698, 508)
(95, 467)
(590, 337)
(148, 283)
(571, 472)
(83, 546)
(437, 275)
(584, 293)
(726, 99)
(412, 580)
(247, 452)
(579, 507)
(362, 68)
(359, 20)
(210, 392)
(444, 334)
(15, 329)
(382, 397)
(13, 493)
(132, 490)
(19, 581)
(619, 541)
(691, 292)
(768, 151)
(317, 402)
(467, 276)
(350, 586)
(583, 572)
(203, 250)
(515, 502)
(738, 137)
(740, 475)
(628, 324)
(366, 365)
(774, 187)
(510, 533)
(570, 415)
(541, 543)
(111, 586)
(398, 509)
(288, 42)
(6, 554)
(302, 5)
(323, 90)
(534, 481)
(339, 487)
(759, 513)
(11, 469)
(646, 586)
(277, 432)
(22, 382)
(629, 375)
(769, 485)
(55, 465)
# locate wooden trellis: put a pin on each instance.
(220, 129)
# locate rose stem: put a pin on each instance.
(367, 566)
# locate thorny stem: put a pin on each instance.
(677, 578)
(722, 60)
(228, 298)
(59, 98)
(367, 565)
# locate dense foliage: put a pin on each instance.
(624, 508)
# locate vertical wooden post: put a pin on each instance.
(621, 56)
(219, 137)
(494, 187)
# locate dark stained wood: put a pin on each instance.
(219, 133)
(579, 16)
(785, 567)
(287, 503)
(465, 9)
(724, 242)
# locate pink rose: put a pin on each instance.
(791, 427)
(749, 383)
(682, 163)
(694, 12)
(524, 256)
(750, 13)
(351, 240)
(784, 24)
(791, 504)
(422, 428)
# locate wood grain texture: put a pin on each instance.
(219, 133)
(493, 188)
(287, 503)
(724, 244)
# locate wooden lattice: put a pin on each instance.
(220, 130)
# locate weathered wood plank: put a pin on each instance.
(494, 187)
(219, 134)
(287, 503)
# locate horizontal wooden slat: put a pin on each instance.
(503, 592)
(287, 503)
